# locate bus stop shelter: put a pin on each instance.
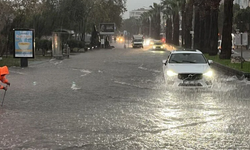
(60, 48)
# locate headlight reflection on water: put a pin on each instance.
(198, 120)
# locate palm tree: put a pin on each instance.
(226, 44)
(155, 16)
(173, 7)
(145, 23)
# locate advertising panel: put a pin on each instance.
(24, 43)
(107, 28)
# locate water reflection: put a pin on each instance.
(202, 119)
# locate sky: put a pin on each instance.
(136, 4)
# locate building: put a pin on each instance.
(137, 13)
(243, 3)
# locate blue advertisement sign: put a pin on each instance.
(24, 43)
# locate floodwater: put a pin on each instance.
(117, 100)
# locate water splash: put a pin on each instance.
(74, 86)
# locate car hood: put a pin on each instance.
(188, 68)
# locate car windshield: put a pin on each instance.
(187, 58)
(138, 40)
(158, 43)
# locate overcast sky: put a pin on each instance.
(136, 4)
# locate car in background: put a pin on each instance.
(187, 68)
(158, 45)
(120, 39)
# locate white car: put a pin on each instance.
(158, 45)
(188, 68)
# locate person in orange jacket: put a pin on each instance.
(3, 72)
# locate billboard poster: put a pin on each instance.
(107, 28)
(23, 43)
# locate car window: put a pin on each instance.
(187, 58)
(137, 40)
(158, 43)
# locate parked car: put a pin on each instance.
(158, 45)
(187, 68)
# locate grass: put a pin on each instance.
(11, 61)
(227, 62)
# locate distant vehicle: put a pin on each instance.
(120, 39)
(137, 41)
(158, 45)
(188, 68)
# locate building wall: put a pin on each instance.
(243, 3)
(137, 13)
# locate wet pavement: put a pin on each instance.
(116, 99)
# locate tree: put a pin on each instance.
(6, 15)
(46, 16)
(155, 16)
(174, 7)
(214, 4)
(226, 44)
(242, 19)
(131, 25)
(188, 22)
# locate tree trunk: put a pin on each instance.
(189, 18)
(176, 29)
(214, 28)
(169, 31)
(197, 29)
(206, 30)
(226, 45)
(158, 26)
(183, 27)
(183, 23)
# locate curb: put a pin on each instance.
(231, 71)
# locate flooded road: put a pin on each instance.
(116, 99)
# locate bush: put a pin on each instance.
(72, 43)
(43, 44)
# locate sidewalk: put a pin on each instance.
(245, 53)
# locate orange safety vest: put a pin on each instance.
(3, 71)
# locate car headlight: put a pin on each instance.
(171, 73)
(153, 47)
(209, 73)
(162, 47)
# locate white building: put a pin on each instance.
(243, 3)
(137, 13)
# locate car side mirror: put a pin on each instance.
(210, 61)
(164, 62)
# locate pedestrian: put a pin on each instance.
(3, 72)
